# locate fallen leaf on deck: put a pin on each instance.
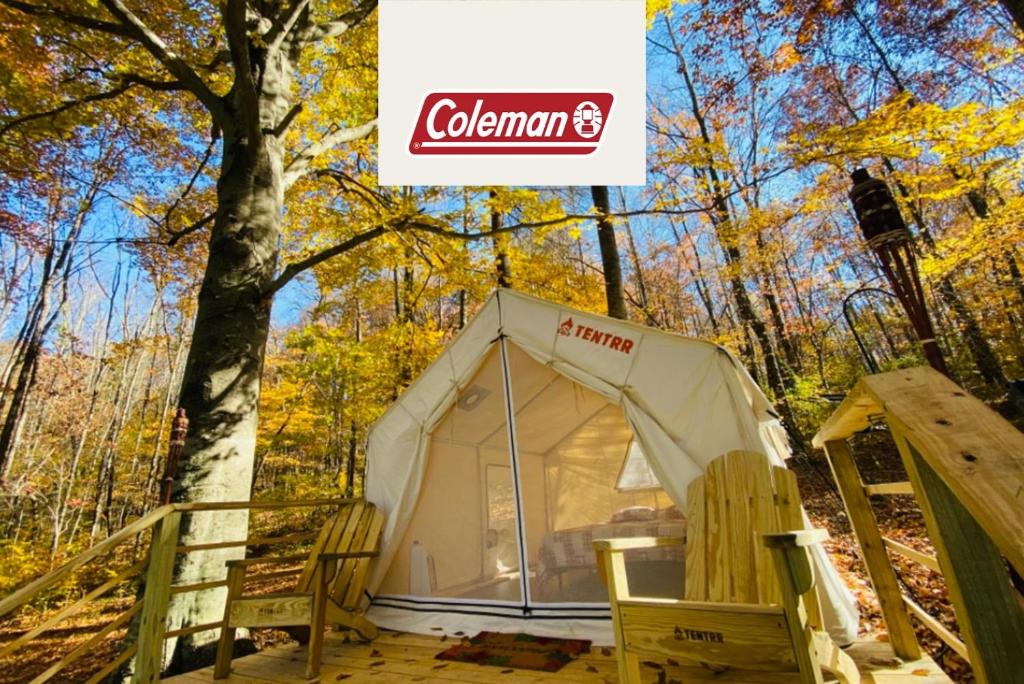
(377, 663)
(921, 672)
(591, 668)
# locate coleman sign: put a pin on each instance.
(512, 92)
(511, 123)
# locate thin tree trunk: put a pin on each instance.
(725, 231)
(38, 324)
(638, 271)
(771, 298)
(499, 243)
(610, 261)
(697, 274)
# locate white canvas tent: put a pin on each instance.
(538, 429)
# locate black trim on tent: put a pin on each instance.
(483, 604)
(526, 614)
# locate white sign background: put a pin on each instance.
(506, 46)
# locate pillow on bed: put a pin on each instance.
(634, 514)
(670, 513)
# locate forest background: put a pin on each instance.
(122, 124)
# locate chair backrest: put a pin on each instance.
(740, 497)
(356, 527)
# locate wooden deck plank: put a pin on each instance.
(398, 658)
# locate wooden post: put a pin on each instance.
(865, 527)
(153, 623)
(612, 569)
(796, 578)
(226, 645)
(988, 611)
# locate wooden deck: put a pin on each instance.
(398, 657)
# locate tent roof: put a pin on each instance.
(684, 384)
(491, 313)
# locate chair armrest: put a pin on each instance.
(245, 562)
(795, 538)
(342, 556)
(628, 543)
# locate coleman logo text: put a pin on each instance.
(511, 123)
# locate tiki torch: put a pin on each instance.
(179, 428)
(887, 236)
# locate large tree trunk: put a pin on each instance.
(609, 254)
(221, 384)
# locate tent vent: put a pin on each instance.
(472, 397)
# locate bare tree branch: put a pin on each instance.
(68, 105)
(349, 184)
(291, 270)
(171, 61)
(299, 164)
(69, 17)
(198, 225)
(127, 81)
(427, 225)
(151, 83)
(188, 188)
(278, 35)
(286, 120)
(337, 26)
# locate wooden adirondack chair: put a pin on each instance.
(749, 602)
(329, 590)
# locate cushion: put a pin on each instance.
(634, 513)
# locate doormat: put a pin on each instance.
(523, 651)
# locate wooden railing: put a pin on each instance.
(965, 465)
(150, 609)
